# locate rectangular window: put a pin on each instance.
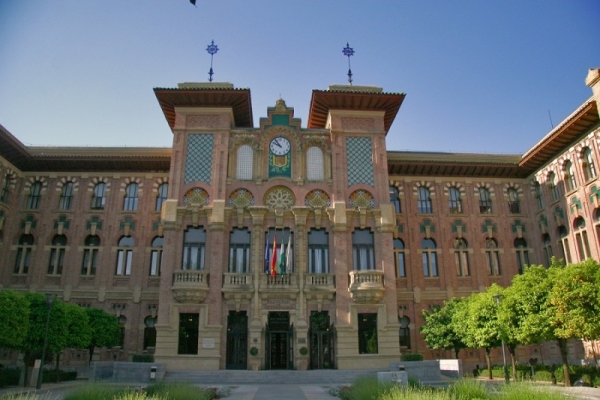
(188, 333)
(23, 259)
(493, 263)
(363, 250)
(55, 265)
(239, 251)
(430, 264)
(124, 258)
(155, 262)
(318, 251)
(367, 334)
(461, 258)
(88, 266)
(400, 265)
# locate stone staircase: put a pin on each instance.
(242, 377)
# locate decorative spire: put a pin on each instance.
(348, 52)
(212, 50)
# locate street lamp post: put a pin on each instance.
(498, 297)
(50, 297)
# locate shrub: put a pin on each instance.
(364, 389)
(175, 391)
(22, 396)
(9, 376)
(253, 351)
(468, 389)
(143, 358)
(50, 375)
(95, 392)
(412, 357)
(303, 351)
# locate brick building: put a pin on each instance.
(179, 242)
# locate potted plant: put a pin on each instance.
(302, 360)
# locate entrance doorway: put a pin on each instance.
(279, 341)
(237, 340)
(322, 337)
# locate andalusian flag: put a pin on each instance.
(274, 257)
(282, 259)
(288, 263)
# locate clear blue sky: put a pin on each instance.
(480, 76)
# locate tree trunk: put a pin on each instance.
(562, 345)
(91, 350)
(489, 362)
(57, 368)
(456, 350)
(513, 361)
(26, 362)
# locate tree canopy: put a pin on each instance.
(14, 319)
(438, 331)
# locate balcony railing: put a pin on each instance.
(319, 282)
(366, 286)
(237, 281)
(190, 286)
(288, 281)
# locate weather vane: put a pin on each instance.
(212, 50)
(348, 52)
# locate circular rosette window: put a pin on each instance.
(317, 199)
(196, 197)
(362, 199)
(280, 198)
(240, 198)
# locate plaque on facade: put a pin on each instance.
(208, 343)
(279, 304)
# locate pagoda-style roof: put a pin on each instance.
(560, 138)
(410, 163)
(83, 159)
(237, 99)
(324, 100)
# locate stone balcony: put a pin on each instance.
(366, 287)
(278, 283)
(319, 286)
(237, 286)
(190, 286)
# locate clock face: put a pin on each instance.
(280, 146)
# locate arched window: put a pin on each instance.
(318, 251)
(194, 249)
(24, 254)
(399, 258)
(163, 189)
(564, 243)
(461, 257)
(131, 197)
(424, 201)
(156, 255)
(553, 181)
(35, 194)
(547, 247)
(492, 255)
(537, 188)
(583, 245)
(66, 196)
(245, 157)
(124, 256)
(485, 201)
(239, 251)
(98, 198)
(90, 255)
(57, 255)
(429, 255)
(314, 164)
(404, 332)
(363, 250)
(570, 176)
(514, 205)
(522, 254)
(589, 169)
(395, 199)
(5, 194)
(454, 202)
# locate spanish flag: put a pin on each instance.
(274, 257)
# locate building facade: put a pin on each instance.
(283, 247)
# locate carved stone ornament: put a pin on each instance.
(195, 296)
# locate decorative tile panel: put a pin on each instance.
(361, 199)
(196, 197)
(199, 158)
(317, 199)
(359, 161)
(241, 198)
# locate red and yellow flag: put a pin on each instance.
(274, 257)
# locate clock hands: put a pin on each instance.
(277, 143)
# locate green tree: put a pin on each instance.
(575, 303)
(79, 333)
(33, 342)
(14, 319)
(438, 331)
(104, 328)
(475, 320)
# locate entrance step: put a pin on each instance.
(242, 377)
